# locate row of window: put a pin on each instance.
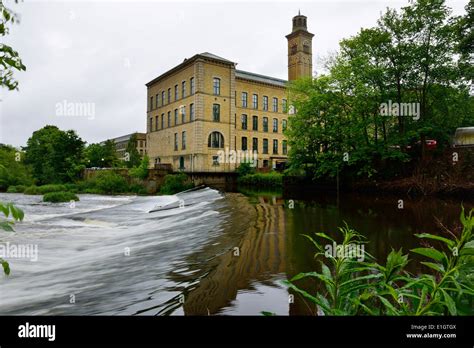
(216, 141)
(216, 88)
(164, 98)
(177, 114)
(265, 146)
(244, 102)
(244, 124)
(216, 117)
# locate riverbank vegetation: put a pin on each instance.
(59, 197)
(174, 183)
(249, 177)
(271, 180)
(353, 286)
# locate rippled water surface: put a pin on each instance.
(220, 254)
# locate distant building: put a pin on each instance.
(205, 106)
(122, 142)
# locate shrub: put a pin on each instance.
(31, 190)
(140, 172)
(245, 169)
(51, 188)
(61, 196)
(272, 179)
(72, 188)
(16, 189)
(175, 183)
(110, 182)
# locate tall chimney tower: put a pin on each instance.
(300, 57)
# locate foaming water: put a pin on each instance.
(106, 255)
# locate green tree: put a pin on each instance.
(133, 156)
(9, 58)
(12, 169)
(101, 155)
(55, 156)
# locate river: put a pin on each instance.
(220, 254)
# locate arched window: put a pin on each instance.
(216, 140)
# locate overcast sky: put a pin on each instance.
(103, 52)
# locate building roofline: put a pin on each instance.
(250, 76)
(187, 61)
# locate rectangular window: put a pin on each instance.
(162, 98)
(150, 126)
(183, 140)
(265, 146)
(255, 144)
(217, 86)
(265, 103)
(275, 125)
(175, 92)
(244, 99)
(284, 105)
(169, 119)
(283, 125)
(265, 124)
(244, 143)
(151, 103)
(156, 122)
(275, 146)
(284, 147)
(183, 114)
(191, 83)
(255, 123)
(191, 112)
(176, 141)
(169, 95)
(183, 89)
(255, 101)
(157, 99)
(244, 122)
(175, 117)
(162, 121)
(275, 104)
(216, 112)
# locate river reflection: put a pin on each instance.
(247, 279)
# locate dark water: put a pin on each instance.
(221, 254)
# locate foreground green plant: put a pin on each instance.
(354, 287)
(7, 225)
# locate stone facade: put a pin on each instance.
(204, 115)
